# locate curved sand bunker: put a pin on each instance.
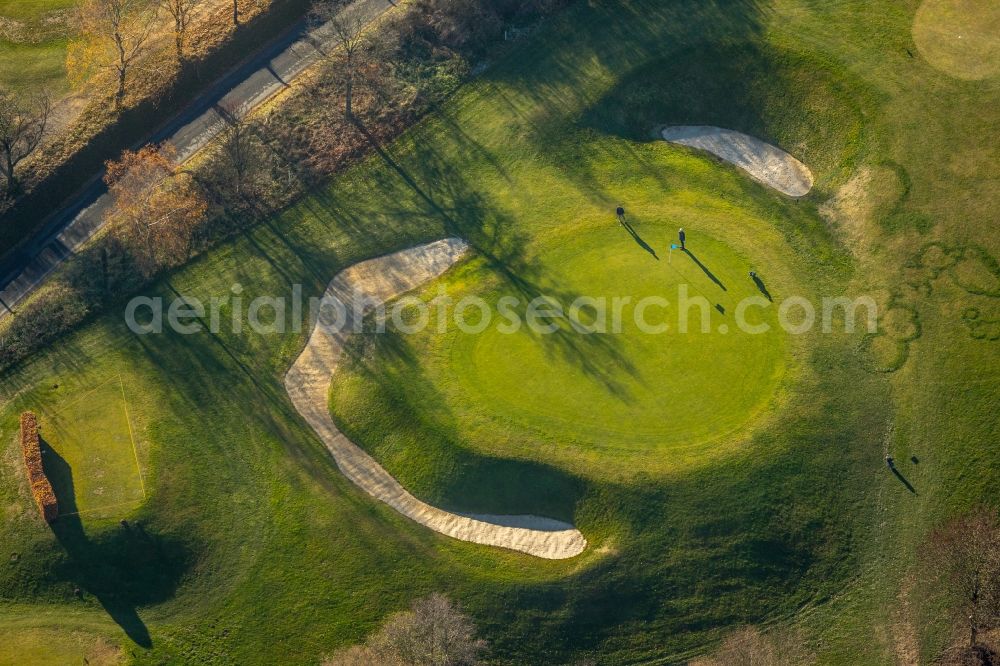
(767, 164)
(308, 385)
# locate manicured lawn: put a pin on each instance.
(251, 548)
(89, 452)
(56, 646)
(28, 67)
(604, 404)
(32, 10)
(33, 55)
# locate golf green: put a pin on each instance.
(620, 354)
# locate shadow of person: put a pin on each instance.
(122, 568)
(704, 268)
(903, 480)
(636, 237)
(760, 285)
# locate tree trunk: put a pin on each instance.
(11, 186)
(348, 96)
(120, 95)
(122, 71)
(349, 91)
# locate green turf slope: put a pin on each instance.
(33, 44)
(251, 548)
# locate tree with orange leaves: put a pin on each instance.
(156, 208)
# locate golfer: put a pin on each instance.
(680, 235)
(620, 212)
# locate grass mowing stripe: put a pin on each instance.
(131, 435)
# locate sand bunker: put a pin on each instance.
(308, 385)
(765, 163)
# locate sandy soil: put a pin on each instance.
(308, 385)
(767, 164)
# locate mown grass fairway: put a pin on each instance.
(252, 548)
(56, 647)
(33, 37)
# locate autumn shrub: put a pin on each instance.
(41, 489)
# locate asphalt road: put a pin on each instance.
(245, 88)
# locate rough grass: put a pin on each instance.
(253, 549)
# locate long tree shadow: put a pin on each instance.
(123, 568)
(466, 213)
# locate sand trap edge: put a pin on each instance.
(308, 385)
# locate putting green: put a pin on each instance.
(960, 37)
(651, 385)
(612, 386)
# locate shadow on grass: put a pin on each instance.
(719, 546)
(443, 471)
(466, 213)
(704, 268)
(122, 567)
(738, 83)
(761, 286)
(637, 238)
(903, 480)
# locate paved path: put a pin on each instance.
(250, 85)
(767, 164)
(308, 385)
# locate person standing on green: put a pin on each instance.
(680, 235)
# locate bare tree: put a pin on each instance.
(345, 30)
(180, 11)
(240, 150)
(115, 35)
(22, 126)
(434, 632)
(965, 553)
(155, 208)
